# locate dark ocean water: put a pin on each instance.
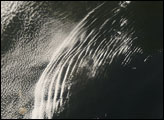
(82, 60)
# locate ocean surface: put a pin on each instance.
(81, 59)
